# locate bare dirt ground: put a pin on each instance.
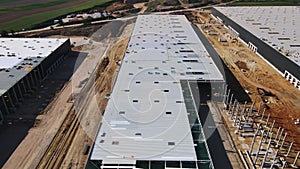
(103, 86)
(264, 84)
(141, 5)
(35, 143)
(5, 17)
(83, 30)
(71, 121)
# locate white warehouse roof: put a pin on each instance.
(20, 55)
(278, 26)
(15, 50)
(146, 117)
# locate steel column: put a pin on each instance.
(296, 158)
(20, 91)
(10, 99)
(15, 94)
(278, 131)
(289, 150)
(258, 150)
(4, 103)
(28, 83)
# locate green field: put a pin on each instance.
(33, 6)
(266, 3)
(27, 22)
(5, 1)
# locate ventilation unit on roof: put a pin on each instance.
(171, 143)
(19, 67)
(190, 60)
(295, 45)
(264, 28)
(181, 43)
(138, 134)
(273, 32)
(181, 36)
(115, 142)
(186, 51)
(257, 23)
(195, 73)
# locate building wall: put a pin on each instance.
(55, 56)
(230, 79)
(273, 57)
(28, 83)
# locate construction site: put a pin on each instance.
(273, 115)
(180, 90)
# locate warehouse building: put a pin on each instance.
(24, 63)
(151, 120)
(272, 32)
